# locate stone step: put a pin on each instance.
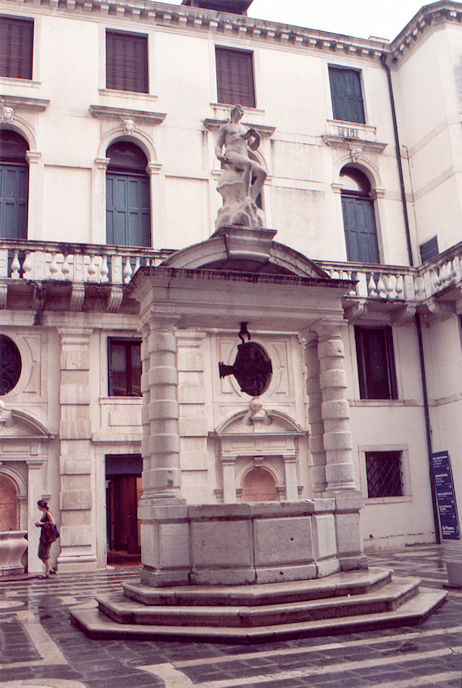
(387, 598)
(97, 625)
(335, 585)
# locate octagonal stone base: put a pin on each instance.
(233, 544)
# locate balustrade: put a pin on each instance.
(36, 261)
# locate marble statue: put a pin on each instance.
(243, 177)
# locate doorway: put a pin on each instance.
(123, 491)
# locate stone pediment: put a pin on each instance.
(18, 425)
(257, 419)
(245, 250)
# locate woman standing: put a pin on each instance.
(47, 536)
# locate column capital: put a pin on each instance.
(159, 319)
(327, 329)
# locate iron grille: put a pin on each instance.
(384, 474)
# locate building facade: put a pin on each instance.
(108, 120)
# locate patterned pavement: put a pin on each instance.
(39, 647)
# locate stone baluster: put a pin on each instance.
(335, 409)
(15, 265)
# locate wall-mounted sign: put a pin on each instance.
(445, 496)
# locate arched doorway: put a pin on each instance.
(128, 198)
(14, 185)
(358, 216)
(259, 485)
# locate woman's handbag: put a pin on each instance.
(55, 531)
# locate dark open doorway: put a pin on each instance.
(123, 490)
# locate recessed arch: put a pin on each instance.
(9, 503)
(259, 485)
(137, 137)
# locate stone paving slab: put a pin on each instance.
(57, 655)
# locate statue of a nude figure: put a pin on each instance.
(237, 141)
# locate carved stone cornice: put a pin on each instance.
(23, 103)
(127, 116)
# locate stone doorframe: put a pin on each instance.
(268, 438)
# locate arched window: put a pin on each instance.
(14, 185)
(259, 486)
(9, 505)
(358, 217)
(128, 201)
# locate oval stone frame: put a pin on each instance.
(10, 365)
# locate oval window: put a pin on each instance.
(10, 365)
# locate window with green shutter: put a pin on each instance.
(346, 93)
(127, 62)
(14, 185)
(235, 80)
(16, 46)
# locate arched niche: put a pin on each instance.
(9, 503)
(263, 439)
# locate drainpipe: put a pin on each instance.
(418, 324)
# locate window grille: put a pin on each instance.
(384, 474)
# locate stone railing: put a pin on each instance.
(395, 283)
(37, 261)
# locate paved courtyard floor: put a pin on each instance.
(41, 649)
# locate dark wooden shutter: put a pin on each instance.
(128, 210)
(16, 44)
(347, 100)
(429, 249)
(376, 362)
(235, 82)
(126, 62)
(360, 229)
(14, 192)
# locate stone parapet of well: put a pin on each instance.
(225, 544)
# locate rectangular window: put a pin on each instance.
(346, 93)
(429, 249)
(384, 474)
(376, 363)
(16, 45)
(235, 82)
(124, 359)
(127, 62)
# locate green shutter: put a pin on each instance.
(347, 100)
(128, 210)
(14, 188)
(360, 230)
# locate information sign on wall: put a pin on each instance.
(445, 496)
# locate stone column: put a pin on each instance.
(162, 510)
(34, 493)
(78, 539)
(338, 444)
(229, 480)
(161, 442)
(290, 469)
(313, 388)
(335, 410)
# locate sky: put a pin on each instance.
(361, 18)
